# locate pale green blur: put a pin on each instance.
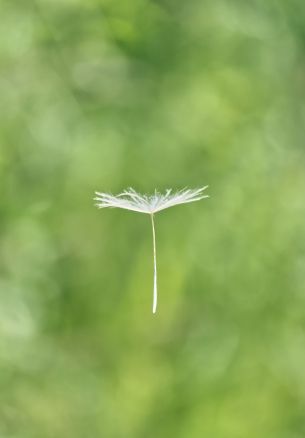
(104, 95)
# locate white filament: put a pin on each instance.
(155, 295)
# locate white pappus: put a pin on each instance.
(150, 204)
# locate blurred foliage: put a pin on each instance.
(102, 95)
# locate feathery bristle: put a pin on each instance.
(131, 200)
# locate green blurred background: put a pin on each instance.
(103, 95)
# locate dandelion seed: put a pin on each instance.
(150, 204)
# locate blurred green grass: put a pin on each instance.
(102, 95)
